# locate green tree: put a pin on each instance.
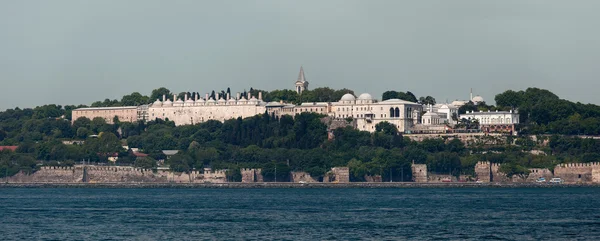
(135, 99)
(157, 94)
(145, 162)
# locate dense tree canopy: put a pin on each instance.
(408, 96)
(298, 143)
(541, 111)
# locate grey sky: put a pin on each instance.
(77, 52)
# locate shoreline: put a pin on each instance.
(238, 185)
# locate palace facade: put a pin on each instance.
(365, 111)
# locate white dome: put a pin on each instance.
(477, 99)
(157, 103)
(429, 113)
(167, 103)
(365, 96)
(348, 97)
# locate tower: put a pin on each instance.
(471, 95)
(301, 83)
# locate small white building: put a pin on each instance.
(494, 121)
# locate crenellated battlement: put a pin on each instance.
(589, 164)
(56, 168)
(483, 163)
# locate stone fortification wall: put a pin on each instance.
(536, 173)
(106, 174)
(338, 175)
(50, 175)
(464, 137)
(251, 175)
(596, 174)
(498, 176)
(374, 178)
(419, 172)
(302, 177)
(102, 174)
(441, 178)
(483, 171)
(573, 173)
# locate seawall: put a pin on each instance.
(294, 185)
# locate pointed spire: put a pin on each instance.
(301, 75)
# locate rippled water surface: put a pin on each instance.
(315, 214)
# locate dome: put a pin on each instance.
(253, 100)
(189, 101)
(274, 103)
(178, 102)
(211, 100)
(397, 101)
(157, 103)
(167, 103)
(432, 114)
(348, 97)
(231, 101)
(365, 96)
(477, 99)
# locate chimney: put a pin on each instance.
(196, 96)
(185, 97)
(228, 96)
(260, 95)
(206, 96)
(164, 98)
(216, 96)
(174, 97)
(237, 95)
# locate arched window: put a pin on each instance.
(397, 114)
(391, 112)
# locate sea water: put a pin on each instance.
(300, 214)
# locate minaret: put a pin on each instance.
(301, 83)
(471, 97)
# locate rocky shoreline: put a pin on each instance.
(293, 185)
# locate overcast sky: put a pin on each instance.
(77, 52)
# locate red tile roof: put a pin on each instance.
(10, 148)
(139, 154)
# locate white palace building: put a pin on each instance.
(364, 109)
